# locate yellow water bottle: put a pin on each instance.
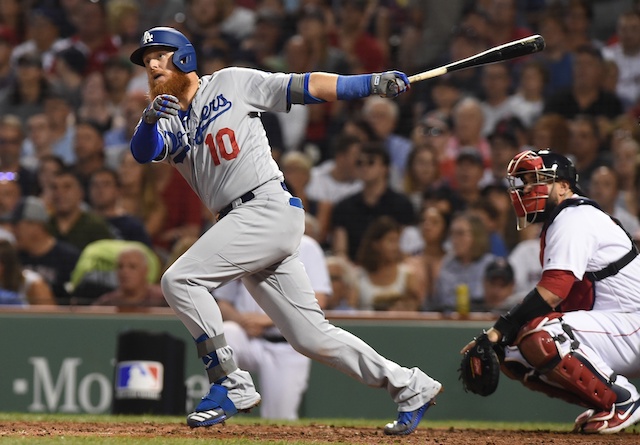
(462, 300)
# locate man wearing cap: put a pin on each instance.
(40, 251)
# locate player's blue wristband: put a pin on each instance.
(353, 87)
(146, 143)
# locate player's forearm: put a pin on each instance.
(146, 143)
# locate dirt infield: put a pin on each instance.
(314, 433)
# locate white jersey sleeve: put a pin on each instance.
(584, 239)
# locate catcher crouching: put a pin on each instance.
(576, 335)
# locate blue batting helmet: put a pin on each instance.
(184, 57)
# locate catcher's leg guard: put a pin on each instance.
(572, 371)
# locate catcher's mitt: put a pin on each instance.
(480, 367)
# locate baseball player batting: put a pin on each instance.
(209, 129)
(576, 335)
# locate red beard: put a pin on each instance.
(176, 84)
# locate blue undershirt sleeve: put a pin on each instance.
(146, 143)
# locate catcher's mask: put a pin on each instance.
(529, 173)
(184, 56)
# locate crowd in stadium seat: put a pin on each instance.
(406, 196)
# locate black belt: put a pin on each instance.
(275, 339)
(244, 198)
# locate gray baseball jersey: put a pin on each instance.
(220, 146)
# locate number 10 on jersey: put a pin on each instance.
(225, 138)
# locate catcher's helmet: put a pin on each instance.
(528, 174)
(184, 57)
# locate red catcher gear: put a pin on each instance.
(528, 174)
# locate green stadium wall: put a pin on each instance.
(64, 362)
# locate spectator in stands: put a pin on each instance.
(38, 142)
(312, 26)
(61, 123)
(11, 139)
(496, 87)
(557, 58)
(422, 174)
(465, 43)
(465, 264)
(89, 152)
(39, 251)
(96, 272)
(383, 114)
(626, 163)
(551, 130)
(604, 190)
(69, 221)
(134, 289)
(116, 140)
(44, 32)
(525, 259)
(19, 286)
(118, 72)
(434, 228)
(585, 147)
(10, 196)
(434, 131)
(184, 216)
(626, 54)
(67, 76)
(93, 35)
(578, 19)
(95, 105)
(296, 167)
(352, 215)
(48, 168)
(586, 95)
(6, 68)
(468, 122)
(25, 96)
(527, 102)
(344, 285)
(364, 52)
(139, 193)
(468, 175)
(13, 19)
(104, 197)
(499, 285)
(260, 347)
(337, 178)
(386, 282)
(487, 211)
(504, 142)
(503, 22)
(445, 94)
(498, 195)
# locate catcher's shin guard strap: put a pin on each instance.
(531, 307)
(573, 372)
(207, 347)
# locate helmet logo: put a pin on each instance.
(147, 37)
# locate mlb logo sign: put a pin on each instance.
(139, 379)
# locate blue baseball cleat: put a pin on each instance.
(407, 422)
(216, 407)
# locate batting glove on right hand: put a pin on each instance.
(389, 83)
(163, 106)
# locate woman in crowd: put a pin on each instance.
(463, 268)
(20, 286)
(386, 282)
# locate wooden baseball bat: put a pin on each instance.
(506, 51)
